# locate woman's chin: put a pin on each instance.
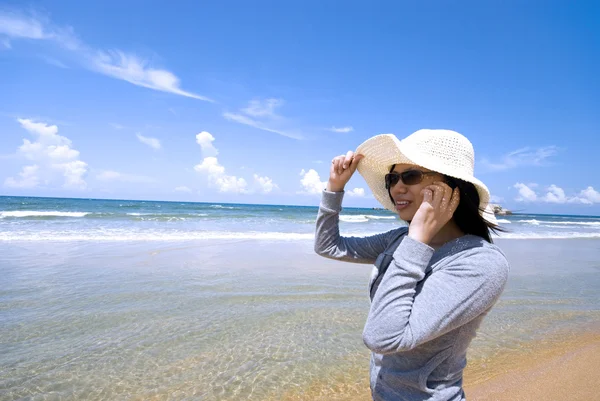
(405, 215)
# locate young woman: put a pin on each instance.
(433, 281)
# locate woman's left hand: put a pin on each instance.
(437, 208)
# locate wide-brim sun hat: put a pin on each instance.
(444, 151)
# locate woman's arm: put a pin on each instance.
(454, 294)
(330, 244)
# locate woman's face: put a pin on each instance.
(408, 198)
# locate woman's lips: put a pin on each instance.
(401, 205)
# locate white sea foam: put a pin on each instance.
(223, 207)
(354, 219)
(532, 221)
(548, 235)
(577, 223)
(124, 235)
(368, 216)
(504, 221)
(32, 213)
(128, 236)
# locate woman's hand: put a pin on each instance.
(342, 168)
(437, 208)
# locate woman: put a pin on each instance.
(433, 281)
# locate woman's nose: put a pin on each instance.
(399, 187)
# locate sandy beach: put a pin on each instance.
(568, 370)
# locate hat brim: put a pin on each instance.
(382, 151)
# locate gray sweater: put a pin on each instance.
(426, 308)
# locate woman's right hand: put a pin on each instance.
(342, 168)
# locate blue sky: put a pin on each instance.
(249, 101)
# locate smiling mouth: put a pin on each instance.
(402, 204)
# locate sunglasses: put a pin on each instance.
(408, 177)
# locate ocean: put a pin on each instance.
(144, 300)
(58, 219)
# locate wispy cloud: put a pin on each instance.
(17, 26)
(522, 157)
(183, 188)
(152, 142)
(342, 130)
(111, 176)
(261, 114)
(54, 62)
(113, 63)
(264, 108)
(130, 68)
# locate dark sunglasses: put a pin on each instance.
(408, 177)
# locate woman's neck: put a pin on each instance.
(446, 234)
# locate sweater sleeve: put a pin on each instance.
(454, 294)
(330, 244)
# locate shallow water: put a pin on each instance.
(230, 320)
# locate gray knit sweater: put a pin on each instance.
(426, 308)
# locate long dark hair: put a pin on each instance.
(467, 215)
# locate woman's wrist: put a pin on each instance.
(334, 187)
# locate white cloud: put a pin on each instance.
(29, 178)
(116, 126)
(356, 192)
(311, 182)
(111, 176)
(265, 108)
(589, 196)
(230, 183)
(210, 166)
(205, 139)
(152, 142)
(215, 172)
(53, 156)
(342, 129)
(130, 68)
(261, 115)
(522, 157)
(555, 195)
(265, 184)
(526, 194)
(115, 63)
(18, 26)
(183, 189)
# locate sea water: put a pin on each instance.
(134, 300)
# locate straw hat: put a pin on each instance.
(444, 151)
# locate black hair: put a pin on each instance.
(467, 215)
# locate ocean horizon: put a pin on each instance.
(66, 219)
